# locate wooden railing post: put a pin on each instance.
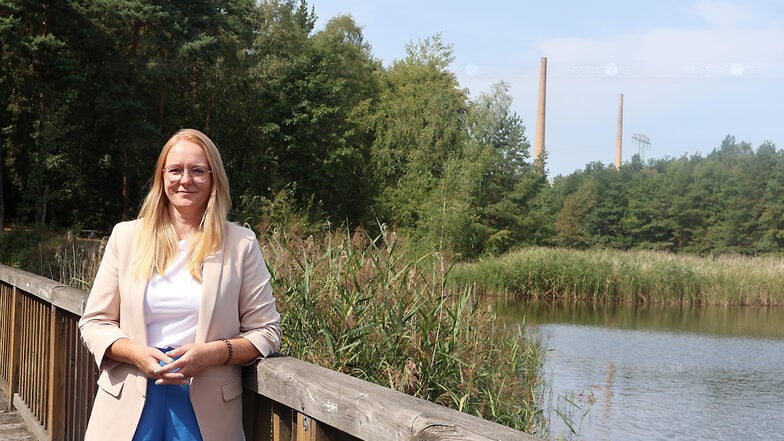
(306, 428)
(257, 417)
(15, 345)
(281, 422)
(58, 360)
(309, 429)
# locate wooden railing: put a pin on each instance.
(50, 378)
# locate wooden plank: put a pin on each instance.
(309, 429)
(6, 329)
(86, 373)
(305, 430)
(74, 378)
(34, 355)
(70, 299)
(36, 285)
(282, 418)
(256, 417)
(36, 361)
(366, 410)
(57, 367)
(15, 345)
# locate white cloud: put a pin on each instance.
(670, 53)
(723, 15)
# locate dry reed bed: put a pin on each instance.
(628, 276)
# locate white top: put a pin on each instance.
(171, 304)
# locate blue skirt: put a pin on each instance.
(168, 414)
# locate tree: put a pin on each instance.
(419, 133)
(772, 216)
(572, 226)
(647, 221)
(280, 148)
(37, 84)
(507, 181)
(352, 80)
(151, 69)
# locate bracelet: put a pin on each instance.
(231, 351)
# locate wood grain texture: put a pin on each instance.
(365, 410)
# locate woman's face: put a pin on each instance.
(187, 178)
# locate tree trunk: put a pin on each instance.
(2, 200)
(41, 161)
(125, 186)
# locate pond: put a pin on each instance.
(625, 372)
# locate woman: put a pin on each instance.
(181, 300)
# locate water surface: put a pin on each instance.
(662, 373)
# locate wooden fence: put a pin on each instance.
(50, 378)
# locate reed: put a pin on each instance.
(364, 307)
(76, 261)
(64, 257)
(628, 276)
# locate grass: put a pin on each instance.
(77, 261)
(361, 306)
(628, 276)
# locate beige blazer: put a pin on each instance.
(236, 300)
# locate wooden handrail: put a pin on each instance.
(50, 378)
(366, 410)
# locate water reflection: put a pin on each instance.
(758, 322)
(662, 373)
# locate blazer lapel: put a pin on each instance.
(210, 284)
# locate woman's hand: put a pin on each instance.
(190, 360)
(151, 361)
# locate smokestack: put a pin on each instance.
(619, 136)
(539, 141)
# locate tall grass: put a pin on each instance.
(64, 257)
(628, 276)
(364, 307)
(77, 260)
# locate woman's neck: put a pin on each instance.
(185, 224)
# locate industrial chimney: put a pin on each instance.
(619, 135)
(539, 141)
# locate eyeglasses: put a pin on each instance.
(198, 175)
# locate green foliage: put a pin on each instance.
(66, 257)
(92, 88)
(281, 212)
(361, 306)
(418, 139)
(507, 183)
(23, 249)
(724, 203)
(574, 229)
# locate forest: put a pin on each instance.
(315, 130)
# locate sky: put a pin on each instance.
(691, 72)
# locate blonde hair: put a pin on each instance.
(156, 242)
